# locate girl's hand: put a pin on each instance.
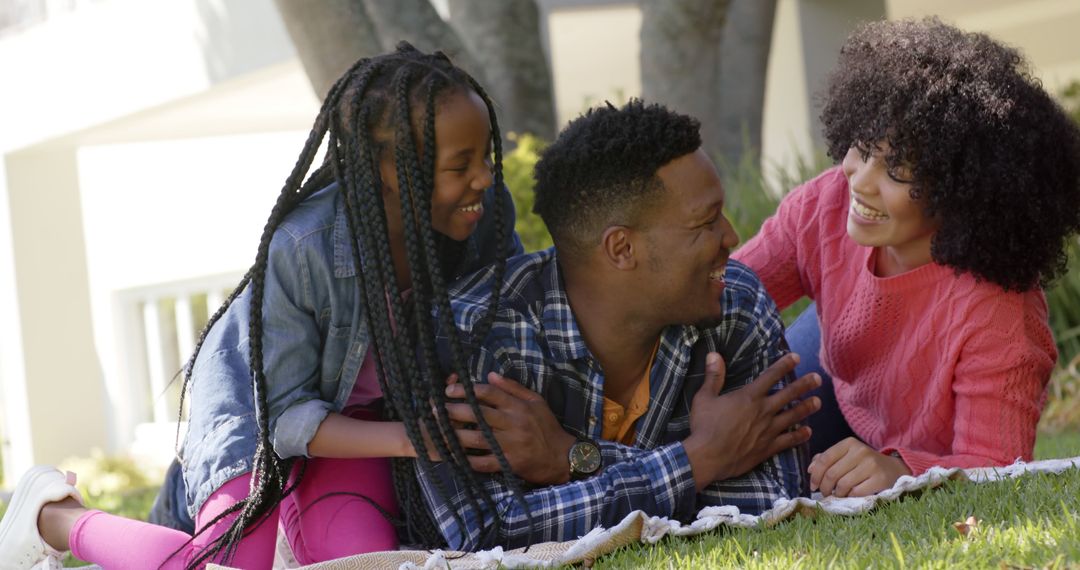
(853, 469)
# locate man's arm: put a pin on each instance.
(735, 432)
(659, 482)
(757, 331)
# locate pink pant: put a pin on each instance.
(318, 524)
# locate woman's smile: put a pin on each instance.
(868, 214)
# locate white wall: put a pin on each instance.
(108, 60)
(14, 419)
(594, 57)
(166, 211)
(120, 71)
(1045, 31)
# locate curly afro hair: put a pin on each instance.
(601, 170)
(992, 156)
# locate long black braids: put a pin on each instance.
(292, 193)
(415, 191)
(397, 353)
(440, 290)
(363, 192)
(373, 93)
(270, 474)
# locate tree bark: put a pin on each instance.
(499, 44)
(504, 37)
(744, 66)
(417, 22)
(708, 59)
(329, 35)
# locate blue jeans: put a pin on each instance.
(828, 424)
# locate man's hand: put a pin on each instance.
(732, 433)
(853, 469)
(532, 440)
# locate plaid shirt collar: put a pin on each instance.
(567, 345)
(561, 329)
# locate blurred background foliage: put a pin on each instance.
(518, 167)
(1062, 410)
(115, 484)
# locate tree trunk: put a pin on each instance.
(417, 22)
(504, 37)
(744, 66)
(329, 35)
(502, 48)
(683, 65)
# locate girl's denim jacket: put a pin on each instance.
(315, 338)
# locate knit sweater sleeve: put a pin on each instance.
(786, 254)
(999, 386)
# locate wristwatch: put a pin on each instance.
(585, 459)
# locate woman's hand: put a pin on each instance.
(853, 469)
(531, 438)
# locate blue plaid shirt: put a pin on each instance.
(535, 340)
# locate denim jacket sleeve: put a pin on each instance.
(291, 347)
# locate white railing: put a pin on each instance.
(160, 325)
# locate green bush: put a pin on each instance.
(114, 484)
(518, 167)
(1070, 98)
(1063, 406)
(751, 197)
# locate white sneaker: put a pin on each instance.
(21, 545)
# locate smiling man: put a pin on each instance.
(616, 332)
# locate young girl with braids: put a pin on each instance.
(331, 323)
(926, 250)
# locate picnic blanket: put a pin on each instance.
(639, 527)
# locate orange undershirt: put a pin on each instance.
(619, 421)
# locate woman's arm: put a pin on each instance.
(997, 389)
(786, 252)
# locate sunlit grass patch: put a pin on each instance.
(1030, 521)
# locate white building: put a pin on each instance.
(143, 145)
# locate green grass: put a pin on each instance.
(1031, 521)
(1053, 446)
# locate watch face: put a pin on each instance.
(584, 457)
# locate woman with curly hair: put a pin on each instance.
(926, 251)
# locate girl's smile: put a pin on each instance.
(472, 213)
(463, 167)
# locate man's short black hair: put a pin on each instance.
(601, 170)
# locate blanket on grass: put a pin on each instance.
(639, 527)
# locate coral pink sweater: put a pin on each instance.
(942, 368)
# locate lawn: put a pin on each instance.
(1032, 521)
